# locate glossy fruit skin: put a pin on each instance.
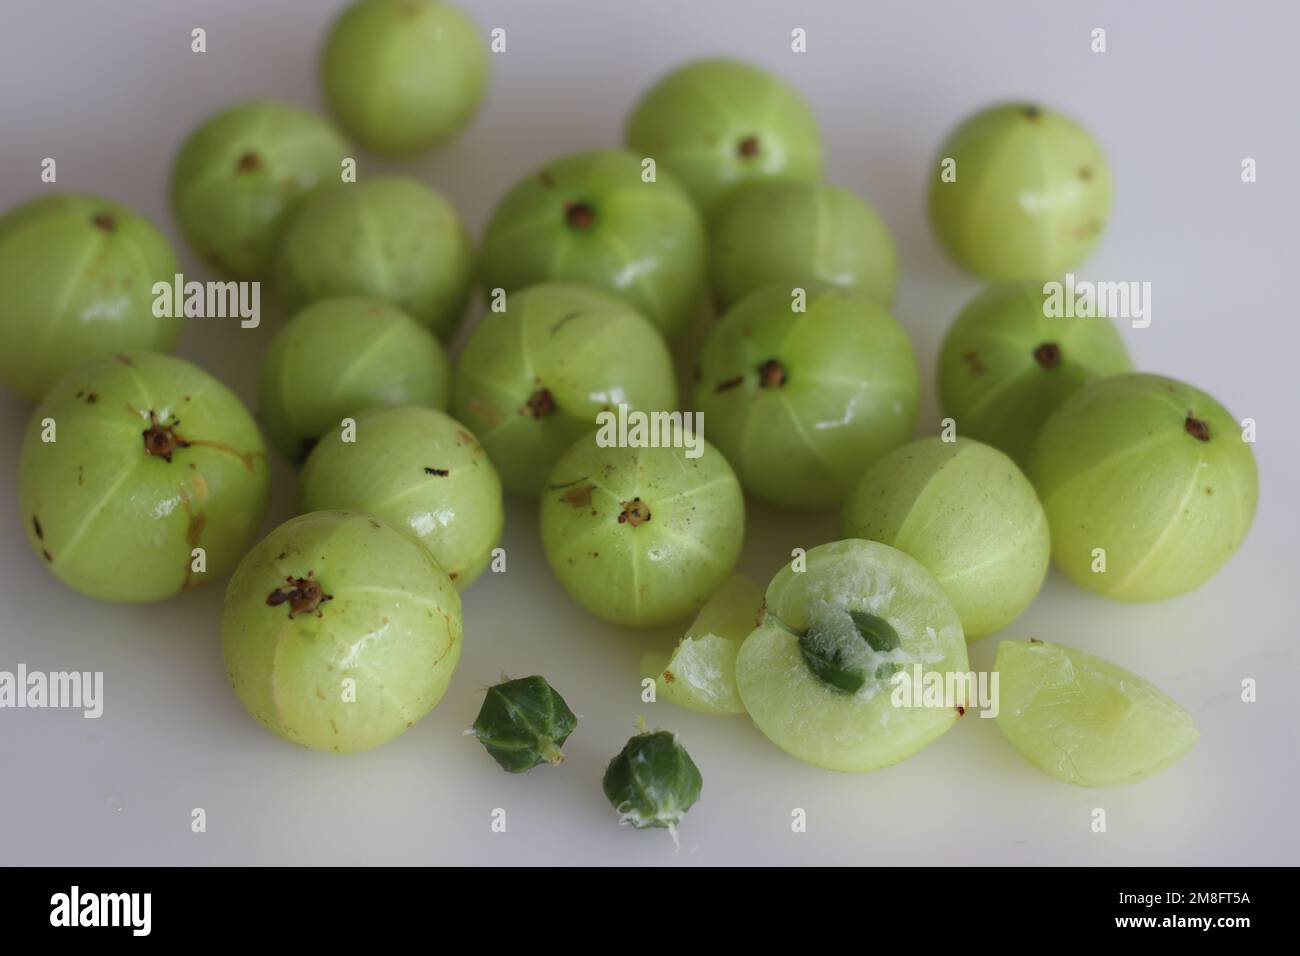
(700, 674)
(338, 357)
(1004, 365)
(1084, 720)
(653, 781)
(423, 474)
(532, 379)
(523, 723)
(238, 174)
(719, 124)
(588, 218)
(634, 572)
(820, 724)
(1031, 197)
(1118, 467)
(76, 278)
(966, 512)
(391, 625)
(119, 523)
(794, 234)
(847, 393)
(403, 75)
(392, 239)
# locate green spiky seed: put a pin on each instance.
(524, 723)
(653, 781)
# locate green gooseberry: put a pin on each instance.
(966, 512)
(422, 473)
(794, 234)
(76, 279)
(338, 632)
(523, 723)
(533, 378)
(1025, 196)
(719, 124)
(1149, 486)
(642, 536)
(653, 782)
(700, 674)
(239, 173)
(802, 402)
(141, 476)
(1005, 364)
(590, 218)
(1086, 721)
(338, 357)
(403, 75)
(392, 239)
(819, 675)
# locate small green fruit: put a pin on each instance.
(76, 280)
(1030, 197)
(141, 476)
(719, 124)
(966, 512)
(392, 239)
(339, 633)
(1148, 485)
(339, 357)
(403, 75)
(796, 234)
(1005, 364)
(421, 472)
(238, 175)
(591, 219)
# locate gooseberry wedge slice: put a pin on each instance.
(1084, 720)
(700, 674)
(818, 675)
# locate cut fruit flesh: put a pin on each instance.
(1084, 720)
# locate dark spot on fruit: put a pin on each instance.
(540, 404)
(1034, 640)
(1197, 428)
(124, 359)
(92, 398)
(579, 497)
(771, 374)
(304, 595)
(105, 221)
(973, 363)
(556, 327)
(47, 556)
(376, 525)
(1048, 355)
(454, 575)
(1085, 173)
(162, 441)
(670, 677)
(728, 384)
(1031, 113)
(961, 711)
(249, 163)
(1209, 491)
(320, 693)
(36, 526)
(635, 513)
(280, 556)
(579, 215)
(439, 472)
(547, 180)
(748, 147)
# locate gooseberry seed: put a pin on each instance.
(653, 782)
(523, 723)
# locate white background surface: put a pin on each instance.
(1184, 93)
